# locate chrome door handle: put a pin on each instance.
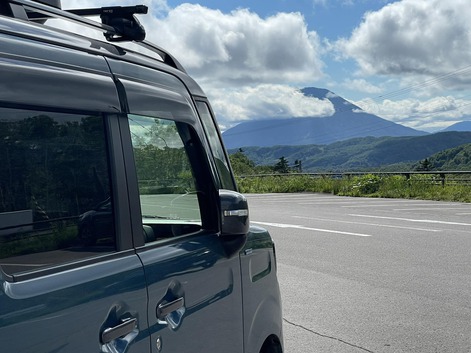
(171, 314)
(164, 309)
(121, 330)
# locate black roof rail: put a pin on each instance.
(118, 23)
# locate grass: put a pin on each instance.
(418, 186)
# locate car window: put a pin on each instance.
(55, 204)
(222, 164)
(168, 195)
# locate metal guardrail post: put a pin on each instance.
(442, 177)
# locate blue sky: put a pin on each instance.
(330, 19)
(407, 61)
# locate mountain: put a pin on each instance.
(461, 126)
(365, 153)
(348, 121)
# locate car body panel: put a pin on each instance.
(196, 269)
(55, 312)
(262, 298)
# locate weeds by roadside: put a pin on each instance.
(426, 187)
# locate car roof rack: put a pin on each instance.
(118, 23)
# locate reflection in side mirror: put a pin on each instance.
(234, 213)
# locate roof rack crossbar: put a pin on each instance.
(118, 23)
(122, 19)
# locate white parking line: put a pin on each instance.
(422, 208)
(412, 220)
(295, 226)
(369, 224)
(391, 203)
(329, 202)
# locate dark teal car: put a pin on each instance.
(121, 228)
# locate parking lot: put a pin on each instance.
(370, 275)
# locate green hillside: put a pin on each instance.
(371, 153)
(458, 158)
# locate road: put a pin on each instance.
(370, 275)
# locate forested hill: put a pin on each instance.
(458, 158)
(361, 153)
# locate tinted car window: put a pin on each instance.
(55, 203)
(168, 195)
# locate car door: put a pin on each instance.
(62, 291)
(194, 288)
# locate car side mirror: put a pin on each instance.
(234, 213)
(234, 221)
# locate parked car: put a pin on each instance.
(123, 230)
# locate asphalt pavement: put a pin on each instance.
(370, 275)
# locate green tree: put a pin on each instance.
(241, 164)
(425, 165)
(282, 166)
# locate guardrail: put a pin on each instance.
(442, 175)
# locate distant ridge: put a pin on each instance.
(366, 153)
(347, 122)
(461, 126)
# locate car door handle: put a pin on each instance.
(165, 309)
(123, 329)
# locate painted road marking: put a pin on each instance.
(423, 209)
(369, 224)
(295, 226)
(412, 220)
(426, 205)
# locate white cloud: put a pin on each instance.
(235, 48)
(239, 48)
(415, 37)
(266, 101)
(424, 45)
(361, 85)
(429, 115)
